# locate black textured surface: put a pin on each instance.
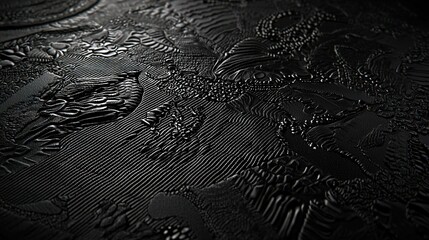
(214, 119)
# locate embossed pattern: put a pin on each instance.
(214, 119)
